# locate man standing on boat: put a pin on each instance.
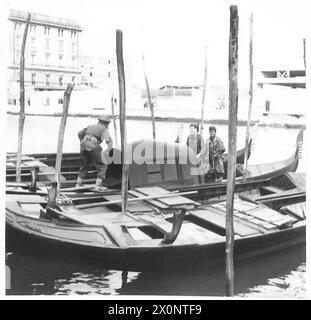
(212, 157)
(91, 152)
(194, 140)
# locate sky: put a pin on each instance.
(173, 34)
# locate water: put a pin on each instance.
(279, 275)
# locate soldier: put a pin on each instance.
(212, 156)
(91, 151)
(194, 140)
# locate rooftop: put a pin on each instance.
(42, 19)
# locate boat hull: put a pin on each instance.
(139, 258)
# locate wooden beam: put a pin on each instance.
(108, 203)
(149, 100)
(22, 102)
(122, 115)
(232, 130)
(304, 54)
(250, 106)
(61, 133)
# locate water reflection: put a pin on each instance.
(275, 275)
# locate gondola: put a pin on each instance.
(69, 168)
(171, 166)
(160, 230)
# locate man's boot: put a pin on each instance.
(98, 185)
(79, 182)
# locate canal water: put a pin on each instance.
(279, 275)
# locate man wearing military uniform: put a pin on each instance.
(194, 140)
(212, 157)
(91, 152)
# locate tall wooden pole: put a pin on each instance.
(203, 94)
(61, 134)
(250, 107)
(232, 130)
(304, 54)
(149, 100)
(122, 113)
(22, 103)
(114, 119)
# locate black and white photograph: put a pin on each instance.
(155, 149)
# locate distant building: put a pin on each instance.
(173, 90)
(294, 78)
(98, 71)
(51, 53)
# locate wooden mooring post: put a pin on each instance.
(232, 131)
(22, 103)
(61, 134)
(149, 100)
(250, 106)
(114, 120)
(122, 114)
(203, 94)
(304, 54)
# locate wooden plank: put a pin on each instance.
(262, 212)
(160, 223)
(297, 209)
(201, 235)
(165, 227)
(154, 202)
(219, 220)
(299, 180)
(25, 198)
(137, 234)
(172, 201)
(99, 219)
(133, 207)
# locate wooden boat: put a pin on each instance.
(164, 169)
(160, 230)
(70, 166)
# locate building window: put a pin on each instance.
(73, 61)
(18, 42)
(108, 74)
(60, 80)
(47, 58)
(73, 34)
(32, 28)
(33, 58)
(18, 26)
(47, 44)
(73, 47)
(60, 33)
(33, 42)
(46, 30)
(60, 45)
(18, 56)
(47, 79)
(33, 78)
(60, 60)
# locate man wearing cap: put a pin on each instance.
(90, 150)
(212, 154)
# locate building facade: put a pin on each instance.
(51, 52)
